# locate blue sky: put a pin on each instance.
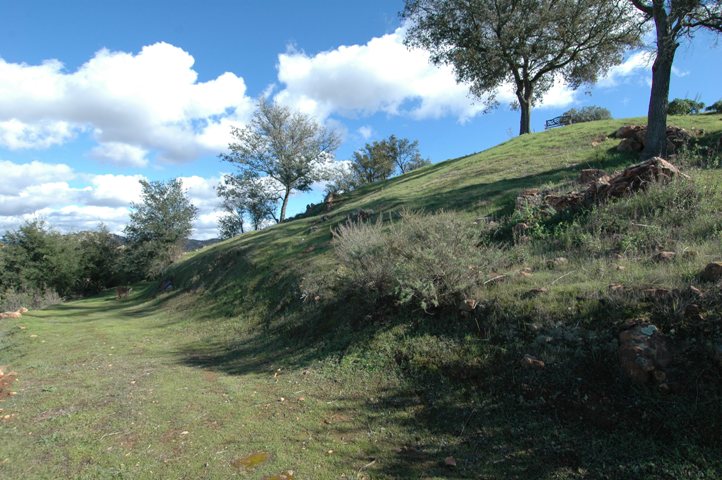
(95, 95)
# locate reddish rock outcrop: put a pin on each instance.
(644, 354)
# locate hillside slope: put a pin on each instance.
(261, 347)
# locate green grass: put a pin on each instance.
(107, 389)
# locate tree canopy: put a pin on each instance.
(159, 226)
(526, 43)
(246, 196)
(379, 160)
(284, 145)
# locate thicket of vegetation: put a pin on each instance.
(41, 266)
(684, 106)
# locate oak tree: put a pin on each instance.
(526, 43)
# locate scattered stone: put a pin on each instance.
(712, 272)
(644, 351)
(664, 256)
(620, 268)
(615, 287)
(531, 362)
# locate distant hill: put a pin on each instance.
(192, 244)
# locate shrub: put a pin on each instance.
(12, 299)
(585, 114)
(684, 106)
(426, 260)
(716, 107)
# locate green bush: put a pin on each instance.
(684, 106)
(716, 107)
(12, 299)
(585, 114)
(425, 260)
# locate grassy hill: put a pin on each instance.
(264, 346)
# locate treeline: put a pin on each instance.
(41, 265)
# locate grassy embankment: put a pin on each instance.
(232, 362)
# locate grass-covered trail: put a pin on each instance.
(104, 391)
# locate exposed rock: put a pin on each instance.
(634, 136)
(634, 178)
(630, 131)
(644, 354)
(664, 256)
(589, 175)
(630, 145)
(712, 272)
(530, 197)
(564, 202)
(329, 201)
(531, 362)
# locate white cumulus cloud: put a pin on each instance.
(383, 76)
(73, 201)
(150, 101)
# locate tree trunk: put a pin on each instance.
(524, 96)
(285, 204)
(655, 142)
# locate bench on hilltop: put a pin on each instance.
(559, 121)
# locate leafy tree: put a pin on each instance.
(406, 154)
(673, 20)
(684, 106)
(528, 43)
(158, 227)
(37, 258)
(716, 107)
(585, 114)
(244, 195)
(381, 159)
(100, 260)
(375, 162)
(284, 145)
